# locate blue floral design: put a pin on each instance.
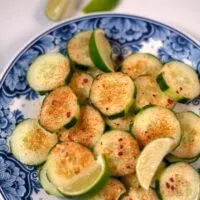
(124, 30)
(177, 47)
(164, 56)
(15, 82)
(195, 57)
(3, 145)
(12, 180)
(8, 121)
(159, 32)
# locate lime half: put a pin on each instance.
(100, 5)
(88, 182)
(150, 159)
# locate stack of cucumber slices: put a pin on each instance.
(104, 134)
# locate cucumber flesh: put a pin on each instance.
(112, 94)
(48, 72)
(179, 181)
(31, 143)
(46, 184)
(189, 147)
(179, 81)
(78, 49)
(149, 93)
(156, 122)
(139, 64)
(59, 109)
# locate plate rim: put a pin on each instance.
(50, 28)
(55, 26)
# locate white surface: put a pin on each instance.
(21, 20)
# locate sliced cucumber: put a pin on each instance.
(123, 123)
(121, 151)
(113, 94)
(30, 143)
(113, 190)
(179, 182)
(139, 64)
(173, 159)
(149, 93)
(156, 122)
(46, 184)
(81, 84)
(179, 81)
(141, 194)
(60, 108)
(48, 72)
(78, 49)
(88, 130)
(100, 51)
(67, 160)
(189, 147)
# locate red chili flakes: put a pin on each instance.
(68, 114)
(171, 179)
(154, 95)
(128, 167)
(107, 108)
(120, 153)
(167, 185)
(170, 101)
(172, 187)
(85, 80)
(120, 139)
(181, 88)
(121, 146)
(177, 91)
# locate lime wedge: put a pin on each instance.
(100, 51)
(150, 159)
(100, 5)
(89, 182)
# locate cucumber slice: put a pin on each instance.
(121, 151)
(100, 51)
(46, 184)
(149, 93)
(113, 94)
(113, 190)
(67, 160)
(139, 64)
(179, 81)
(173, 159)
(122, 124)
(156, 122)
(81, 84)
(88, 130)
(48, 72)
(78, 49)
(141, 194)
(180, 182)
(88, 182)
(30, 143)
(148, 163)
(189, 147)
(59, 109)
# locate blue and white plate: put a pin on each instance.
(18, 101)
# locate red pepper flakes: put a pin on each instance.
(167, 185)
(85, 80)
(68, 114)
(120, 139)
(120, 153)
